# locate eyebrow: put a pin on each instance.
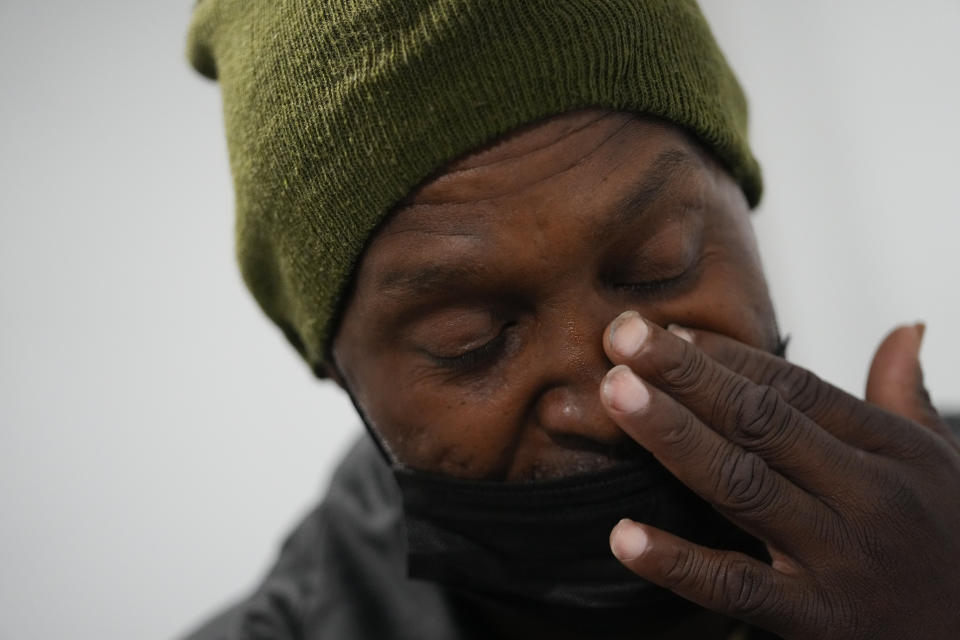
(424, 279)
(643, 194)
(430, 278)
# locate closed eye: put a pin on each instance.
(477, 357)
(654, 287)
(665, 282)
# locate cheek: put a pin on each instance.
(443, 428)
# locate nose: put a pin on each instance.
(568, 407)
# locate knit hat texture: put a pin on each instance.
(336, 109)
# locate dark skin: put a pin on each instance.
(472, 340)
(478, 343)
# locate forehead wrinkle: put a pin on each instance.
(467, 222)
(423, 199)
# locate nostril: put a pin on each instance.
(574, 414)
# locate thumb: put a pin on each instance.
(895, 382)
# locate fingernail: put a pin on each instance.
(921, 328)
(627, 333)
(627, 540)
(624, 391)
(680, 332)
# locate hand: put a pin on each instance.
(858, 502)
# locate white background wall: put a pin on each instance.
(157, 436)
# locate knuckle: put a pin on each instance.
(679, 435)
(727, 403)
(897, 438)
(876, 425)
(745, 485)
(800, 388)
(734, 357)
(686, 372)
(745, 592)
(684, 569)
(757, 409)
(766, 423)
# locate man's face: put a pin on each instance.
(472, 340)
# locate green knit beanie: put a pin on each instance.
(336, 109)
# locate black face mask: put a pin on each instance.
(544, 545)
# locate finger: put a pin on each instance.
(847, 418)
(727, 582)
(753, 416)
(895, 382)
(738, 483)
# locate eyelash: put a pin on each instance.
(664, 286)
(476, 358)
(653, 287)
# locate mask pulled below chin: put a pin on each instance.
(546, 543)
